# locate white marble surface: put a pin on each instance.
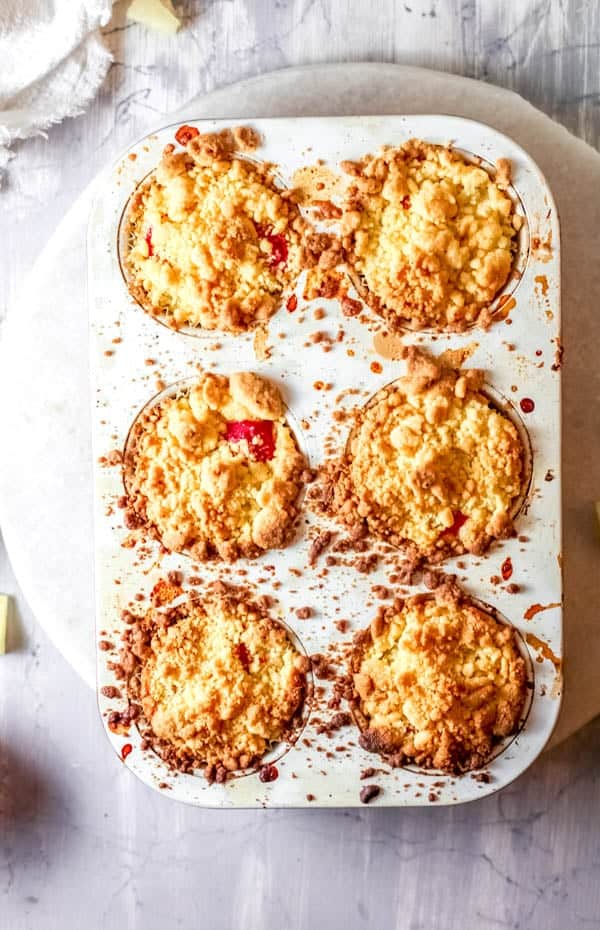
(80, 840)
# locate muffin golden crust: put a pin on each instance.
(215, 470)
(437, 682)
(430, 464)
(218, 680)
(430, 236)
(211, 241)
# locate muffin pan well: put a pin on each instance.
(446, 220)
(328, 363)
(209, 190)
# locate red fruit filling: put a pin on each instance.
(259, 434)
(185, 133)
(278, 243)
(459, 520)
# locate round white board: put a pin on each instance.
(45, 481)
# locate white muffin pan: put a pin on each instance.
(133, 357)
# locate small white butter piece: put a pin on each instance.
(156, 14)
(3, 622)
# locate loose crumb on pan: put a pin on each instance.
(215, 470)
(437, 682)
(368, 793)
(211, 240)
(430, 465)
(430, 235)
(217, 681)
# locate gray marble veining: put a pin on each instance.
(82, 843)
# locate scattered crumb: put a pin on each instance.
(369, 793)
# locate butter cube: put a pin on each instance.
(156, 14)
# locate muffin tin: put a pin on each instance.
(134, 358)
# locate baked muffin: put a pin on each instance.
(215, 470)
(431, 237)
(210, 240)
(218, 680)
(431, 465)
(438, 682)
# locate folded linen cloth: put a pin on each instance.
(52, 62)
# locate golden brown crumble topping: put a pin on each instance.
(430, 463)
(215, 469)
(430, 235)
(438, 682)
(211, 240)
(218, 680)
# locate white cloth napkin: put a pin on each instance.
(52, 62)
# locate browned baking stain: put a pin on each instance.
(389, 345)
(543, 649)
(537, 608)
(505, 305)
(376, 368)
(542, 281)
(542, 248)
(318, 181)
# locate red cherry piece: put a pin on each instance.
(459, 520)
(280, 250)
(243, 655)
(278, 243)
(259, 434)
(507, 568)
(185, 133)
(127, 748)
(148, 238)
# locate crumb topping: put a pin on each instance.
(430, 235)
(430, 462)
(216, 470)
(438, 682)
(212, 241)
(219, 681)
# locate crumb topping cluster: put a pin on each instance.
(212, 241)
(219, 681)
(438, 682)
(430, 235)
(430, 462)
(216, 470)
